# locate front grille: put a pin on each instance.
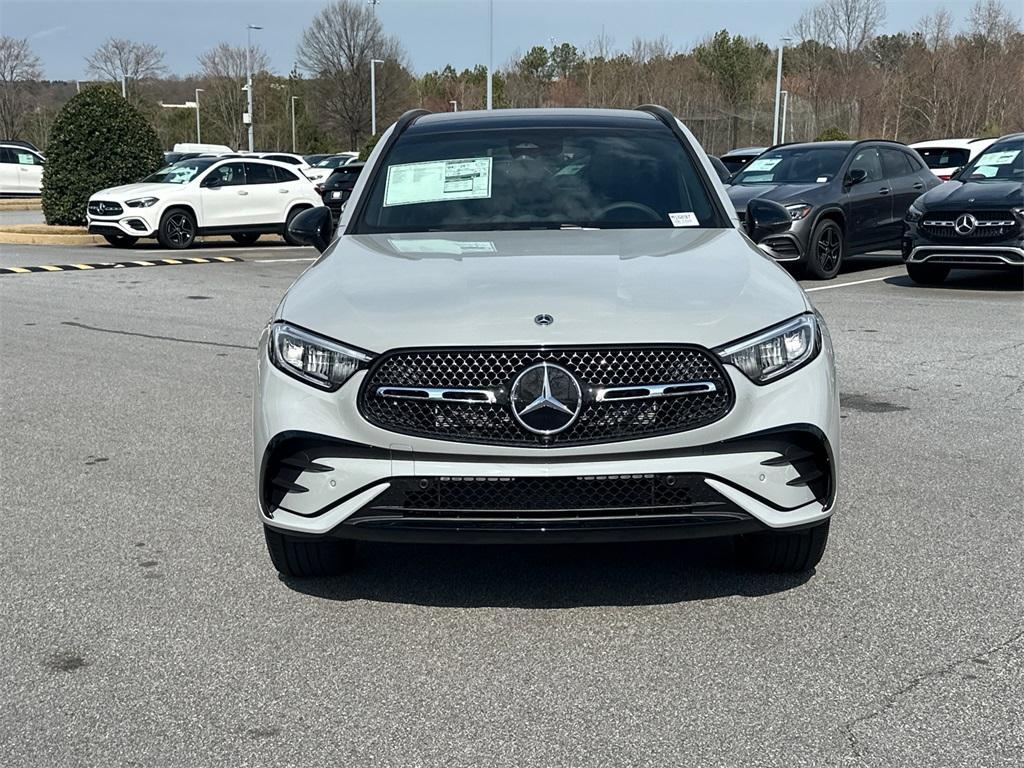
(105, 208)
(992, 225)
(525, 498)
(496, 369)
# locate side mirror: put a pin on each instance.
(312, 227)
(213, 182)
(855, 176)
(766, 217)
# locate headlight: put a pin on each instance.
(798, 211)
(914, 213)
(775, 352)
(318, 361)
(141, 202)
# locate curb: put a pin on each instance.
(21, 238)
(20, 204)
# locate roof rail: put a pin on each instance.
(17, 143)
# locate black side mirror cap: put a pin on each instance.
(855, 176)
(766, 217)
(312, 227)
(213, 182)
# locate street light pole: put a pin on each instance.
(373, 96)
(785, 108)
(293, 122)
(455, 105)
(248, 76)
(199, 135)
(490, 55)
(778, 90)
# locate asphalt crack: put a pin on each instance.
(155, 336)
(890, 700)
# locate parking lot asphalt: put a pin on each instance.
(144, 625)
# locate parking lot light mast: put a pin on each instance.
(455, 105)
(490, 55)
(785, 108)
(248, 76)
(199, 134)
(778, 91)
(373, 96)
(294, 98)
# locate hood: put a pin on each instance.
(741, 194)
(703, 286)
(131, 191)
(974, 194)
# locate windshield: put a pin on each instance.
(333, 162)
(796, 165)
(944, 157)
(536, 178)
(1000, 162)
(181, 172)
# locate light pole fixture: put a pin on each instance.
(373, 95)
(294, 98)
(248, 76)
(199, 135)
(778, 91)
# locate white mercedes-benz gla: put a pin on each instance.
(544, 326)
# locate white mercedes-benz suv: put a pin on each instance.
(244, 198)
(543, 326)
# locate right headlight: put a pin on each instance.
(914, 213)
(322, 362)
(776, 351)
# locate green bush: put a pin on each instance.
(833, 134)
(98, 140)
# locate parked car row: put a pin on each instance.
(21, 169)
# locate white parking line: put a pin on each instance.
(853, 282)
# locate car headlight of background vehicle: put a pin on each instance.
(324, 363)
(798, 211)
(914, 213)
(775, 352)
(142, 202)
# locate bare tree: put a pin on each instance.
(19, 70)
(337, 48)
(224, 69)
(852, 23)
(118, 58)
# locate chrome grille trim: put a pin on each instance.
(654, 391)
(433, 393)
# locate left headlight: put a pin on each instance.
(142, 202)
(324, 363)
(775, 352)
(798, 211)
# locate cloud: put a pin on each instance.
(47, 32)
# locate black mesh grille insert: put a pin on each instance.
(531, 497)
(497, 369)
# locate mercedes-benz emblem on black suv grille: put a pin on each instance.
(546, 399)
(965, 224)
(543, 319)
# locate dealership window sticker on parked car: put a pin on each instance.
(684, 219)
(764, 164)
(1000, 158)
(438, 181)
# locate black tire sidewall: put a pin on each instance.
(927, 274)
(245, 238)
(121, 241)
(812, 268)
(162, 235)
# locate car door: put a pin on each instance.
(902, 175)
(8, 172)
(265, 193)
(869, 202)
(290, 187)
(223, 197)
(30, 171)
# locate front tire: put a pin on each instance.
(121, 241)
(245, 238)
(927, 274)
(177, 229)
(305, 558)
(784, 551)
(825, 251)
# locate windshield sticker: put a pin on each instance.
(763, 164)
(1000, 158)
(684, 219)
(437, 181)
(438, 245)
(821, 180)
(26, 159)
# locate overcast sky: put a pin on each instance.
(433, 32)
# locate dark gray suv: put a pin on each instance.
(845, 198)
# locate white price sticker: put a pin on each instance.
(763, 164)
(1000, 158)
(437, 181)
(684, 219)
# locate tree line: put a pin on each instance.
(945, 77)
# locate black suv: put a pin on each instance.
(845, 198)
(974, 221)
(337, 188)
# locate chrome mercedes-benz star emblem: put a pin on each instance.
(965, 224)
(544, 319)
(546, 399)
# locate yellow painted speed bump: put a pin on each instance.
(117, 264)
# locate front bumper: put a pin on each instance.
(984, 253)
(322, 470)
(135, 222)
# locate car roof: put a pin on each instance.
(744, 151)
(443, 122)
(955, 143)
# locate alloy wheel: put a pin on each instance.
(828, 249)
(179, 229)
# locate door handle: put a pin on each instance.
(884, 191)
(242, 192)
(282, 191)
(919, 186)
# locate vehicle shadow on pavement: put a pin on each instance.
(546, 576)
(965, 280)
